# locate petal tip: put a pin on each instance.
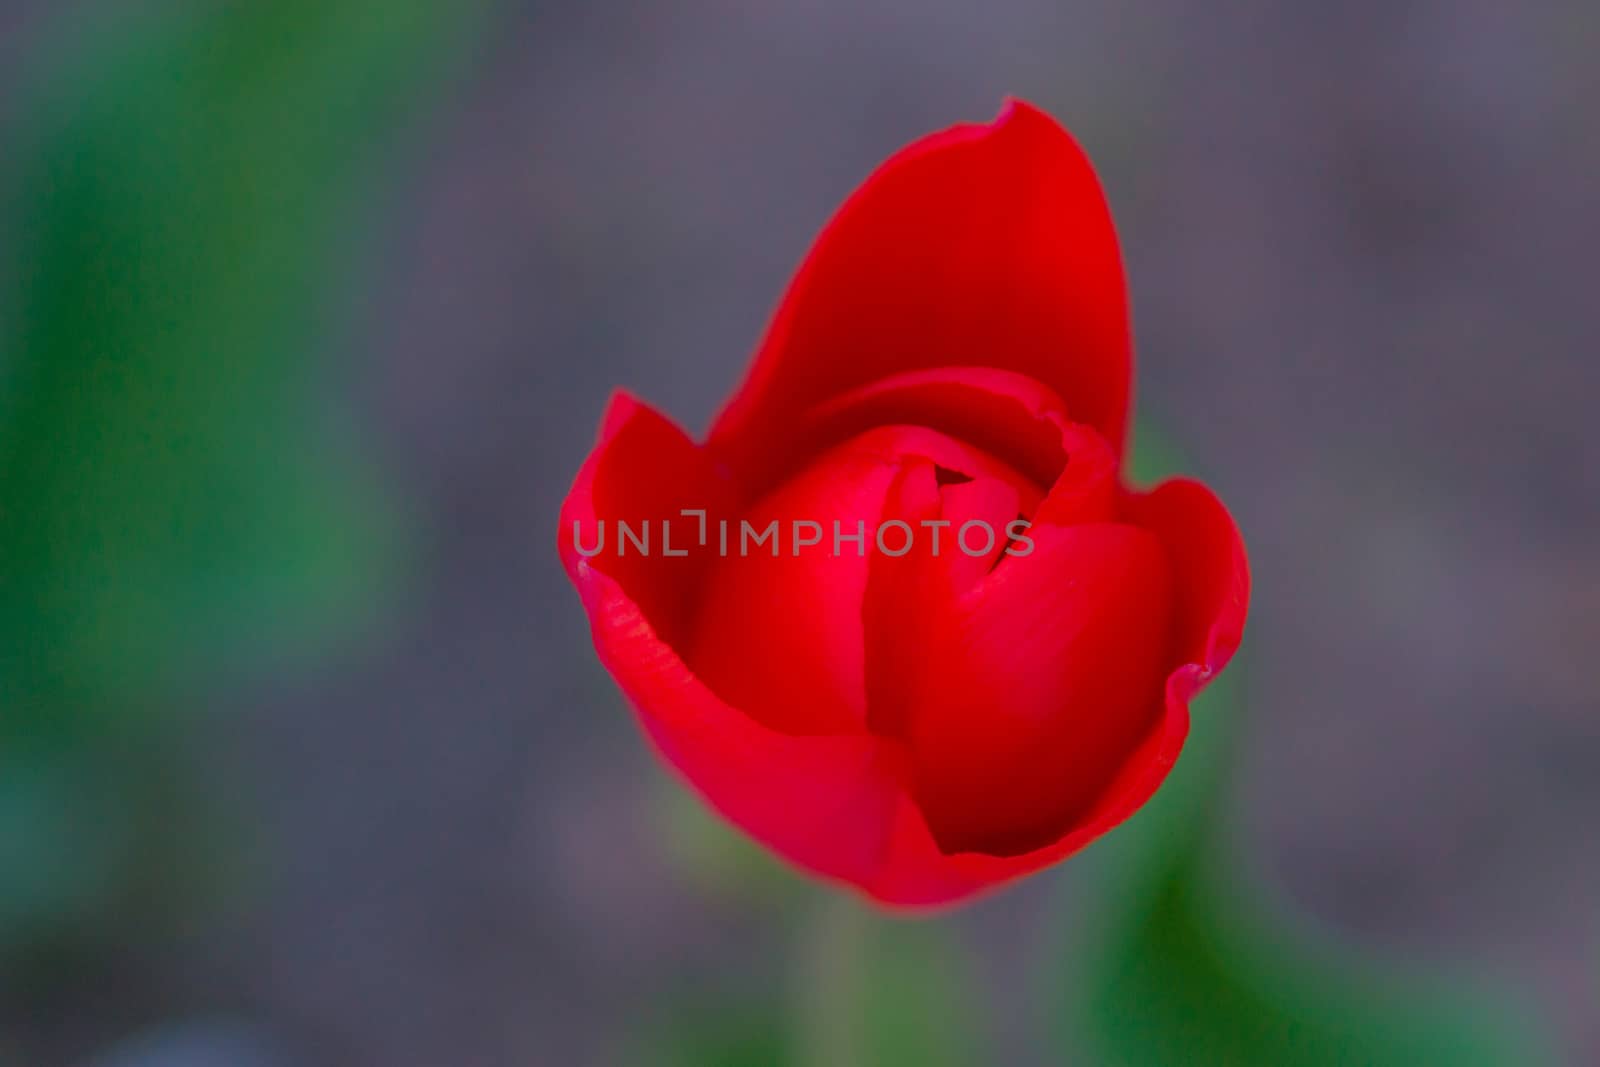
(621, 406)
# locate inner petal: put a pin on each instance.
(779, 632)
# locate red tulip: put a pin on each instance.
(921, 721)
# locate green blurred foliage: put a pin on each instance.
(1187, 962)
(185, 201)
(184, 196)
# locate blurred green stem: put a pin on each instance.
(828, 983)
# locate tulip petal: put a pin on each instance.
(915, 873)
(643, 472)
(986, 244)
(825, 803)
(1007, 415)
(1036, 687)
(1210, 581)
(780, 627)
(1213, 588)
(780, 634)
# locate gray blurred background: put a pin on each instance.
(1361, 241)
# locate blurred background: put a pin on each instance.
(310, 311)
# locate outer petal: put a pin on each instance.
(1034, 687)
(1211, 583)
(1213, 597)
(825, 803)
(642, 472)
(987, 245)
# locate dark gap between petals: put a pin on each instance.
(943, 476)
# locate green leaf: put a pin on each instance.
(1185, 961)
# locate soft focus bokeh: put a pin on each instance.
(310, 311)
